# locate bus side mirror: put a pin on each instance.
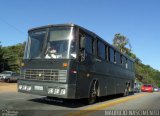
(82, 43)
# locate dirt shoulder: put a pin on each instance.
(8, 87)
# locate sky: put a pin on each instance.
(138, 20)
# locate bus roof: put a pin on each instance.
(84, 29)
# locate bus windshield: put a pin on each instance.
(36, 40)
(60, 44)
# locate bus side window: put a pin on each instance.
(93, 46)
(118, 58)
(107, 53)
(115, 57)
(121, 59)
(124, 61)
(130, 65)
(111, 51)
(89, 45)
(101, 50)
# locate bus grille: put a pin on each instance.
(45, 74)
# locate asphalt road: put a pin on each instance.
(30, 105)
(26, 104)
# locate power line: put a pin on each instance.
(12, 26)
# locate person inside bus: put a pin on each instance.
(59, 49)
(50, 52)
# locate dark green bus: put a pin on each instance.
(68, 61)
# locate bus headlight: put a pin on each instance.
(20, 87)
(28, 88)
(56, 91)
(24, 87)
(50, 90)
(63, 91)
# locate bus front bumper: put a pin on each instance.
(50, 89)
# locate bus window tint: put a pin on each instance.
(111, 51)
(107, 53)
(89, 45)
(101, 50)
(130, 65)
(121, 60)
(124, 61)
(118, 59)
(115, 57)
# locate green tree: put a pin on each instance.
(13, 56)
(120, 42)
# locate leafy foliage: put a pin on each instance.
(12, 57)
(120, 41)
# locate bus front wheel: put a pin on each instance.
(126, 92)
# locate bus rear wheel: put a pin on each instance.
(92, 94)
(126, 92)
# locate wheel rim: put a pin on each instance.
(126, 92)
(93, 95)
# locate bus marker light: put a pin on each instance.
(74, 71)
(20, 87)
(65, 64)
(24, 87)
(28, 88)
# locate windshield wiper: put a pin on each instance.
(31, 59)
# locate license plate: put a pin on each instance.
(38, 88)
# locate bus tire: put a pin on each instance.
(126, 92)
(92, 93)
(49, 97)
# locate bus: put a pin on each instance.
(70, 62)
